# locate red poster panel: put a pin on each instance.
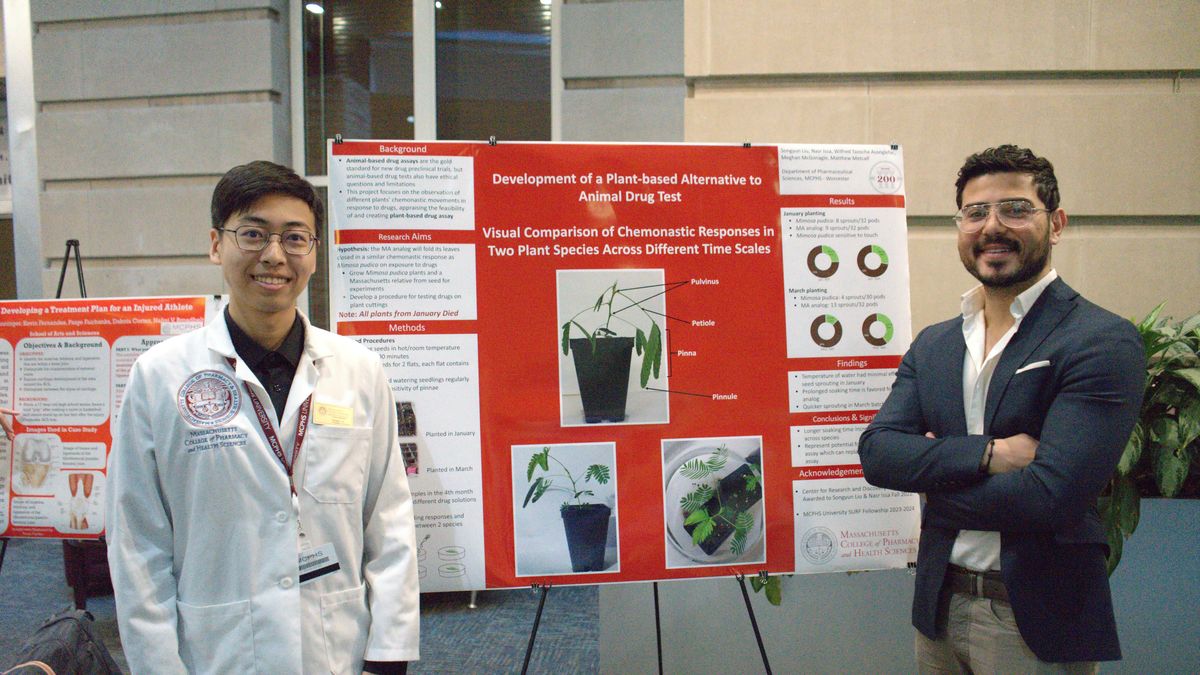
(601, 345)
(63, 367)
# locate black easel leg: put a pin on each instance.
(657, 628)
(754, 623)
(3, 550)
(537, 619)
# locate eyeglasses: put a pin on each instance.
(1015, 214)
(253, 238)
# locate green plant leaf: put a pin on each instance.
(1190, 324)
(584, 493)
(1132, 452)
(696, 469)
(566, 338)
(737, 543)
(536, 490)
(639, 341)
(655, 343)
(1190, 375)
(774, 588)
(598, 473)
(1127, 500)
(696, 499)
(696, 516)
(704, 528)
(1189, 421)
(1170, 460)
(744, 521)
(541, 459)
(716, 461)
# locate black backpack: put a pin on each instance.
(64, 645)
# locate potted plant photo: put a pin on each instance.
(1162, 457)
(719, 510)
(585, 523)
(602, 356)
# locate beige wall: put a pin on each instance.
(142, 105)
(1108, 91)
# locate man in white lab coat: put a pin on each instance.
(259, 517)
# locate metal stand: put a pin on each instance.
(754, 623)
(3, 549)
(77, 553)
(657, 629)
(71, 244)
(537, 619)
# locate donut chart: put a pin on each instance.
(888, 330)
(815, 268)
(867, 269)
(814, 330)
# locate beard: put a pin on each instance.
(1031, 260)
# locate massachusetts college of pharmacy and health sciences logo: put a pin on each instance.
(818, 545)
(209, 399)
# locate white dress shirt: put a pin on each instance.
(979, 549)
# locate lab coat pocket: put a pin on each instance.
(335, 463)
(216, 638)
(345, 621)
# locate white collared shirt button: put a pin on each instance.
(286, 583)
(281, 517)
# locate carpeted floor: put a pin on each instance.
(454, 638)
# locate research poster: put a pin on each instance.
(63, 366)
(630, 362)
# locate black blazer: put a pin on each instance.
(1079, 390)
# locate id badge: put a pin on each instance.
(317, 562)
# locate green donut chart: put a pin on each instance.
(814, 330)
(815, 268)
(867, 269)
(888, 330)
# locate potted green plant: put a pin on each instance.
(1162, 457)
(725, 508)
(602, 357)
(585, 523)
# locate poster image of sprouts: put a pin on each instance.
(569, 483)
(713, 500)
(611, 342)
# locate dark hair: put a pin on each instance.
(243, 185)
(1010, 159)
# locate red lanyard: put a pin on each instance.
(273, 438)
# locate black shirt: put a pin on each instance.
(275, 370)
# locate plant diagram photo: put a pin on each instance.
(713, 501)
(612, 348)
(564, 508)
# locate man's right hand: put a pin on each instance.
(1012, 453)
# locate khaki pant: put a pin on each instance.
(981, 637)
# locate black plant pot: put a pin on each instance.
(587, 532)
(603, 376)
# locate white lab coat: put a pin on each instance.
(203, 532)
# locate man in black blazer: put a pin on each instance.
(1010, 419)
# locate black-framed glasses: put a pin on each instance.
(1015, 214)
(254, 238)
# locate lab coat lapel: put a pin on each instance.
(307, 371)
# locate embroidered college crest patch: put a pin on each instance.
(209, 399)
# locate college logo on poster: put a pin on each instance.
(209, 399)
(818, 545)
